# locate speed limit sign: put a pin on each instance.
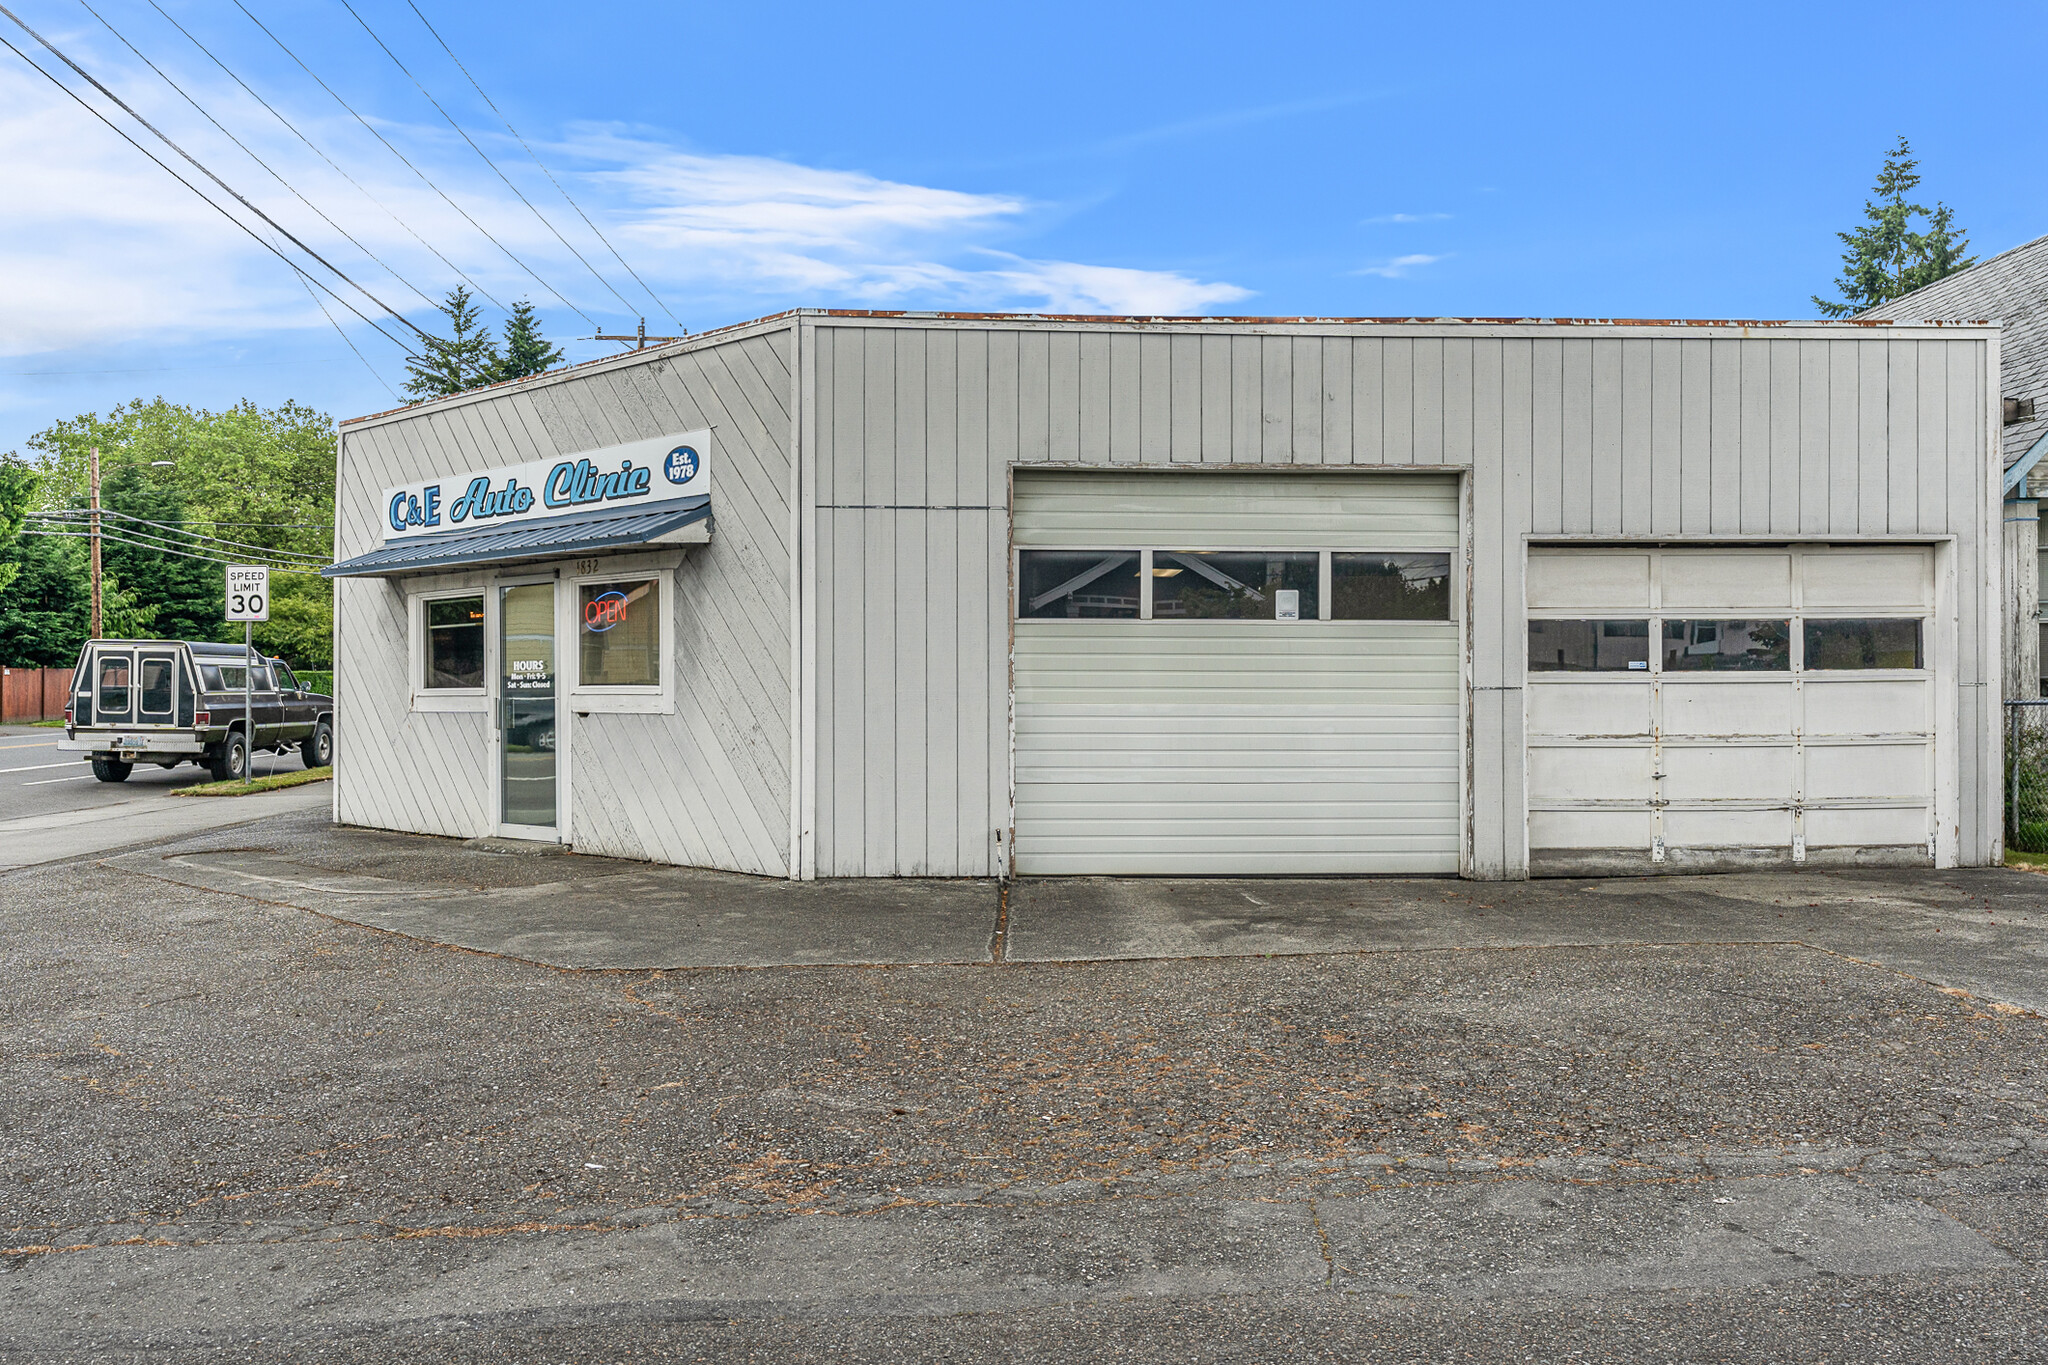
(248, 593)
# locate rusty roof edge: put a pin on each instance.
(731, 330)
(1415, 320)
(725, 333)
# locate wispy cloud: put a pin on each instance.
(99, 246)
(1405, 218)
(1397, 267)
(1223, 120)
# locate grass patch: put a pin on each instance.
(261, 784)
(44, 724)
(2036, 861)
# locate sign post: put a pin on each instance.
(248, 602)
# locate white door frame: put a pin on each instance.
(493, 645)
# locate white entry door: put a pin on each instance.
(1223, 674)
(1715, 708)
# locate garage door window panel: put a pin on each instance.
(1390, 587)
(1235, 585)
(1725, 646)
(1863, 643)
(1589, 646)
(1062, 585)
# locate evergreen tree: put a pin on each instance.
(1886, 257)
(526, 350)
(467, 359)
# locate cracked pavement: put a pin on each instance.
(237, 1130)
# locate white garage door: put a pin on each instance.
(1729, 707)
(1232, 673)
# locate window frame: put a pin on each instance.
(1324, 585)
(624, 699)
(1795, 621)
(424, 698)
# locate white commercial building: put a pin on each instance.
(848, 594)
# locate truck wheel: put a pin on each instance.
(230, 762)
(110, 769)
(317, 749)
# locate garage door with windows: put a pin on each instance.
(1236, 673)
(1701, 708)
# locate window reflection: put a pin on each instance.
(1714, 646)
(1589, 646)
(1377, 587)
(1243, 585)
(1065, 584)
(1867, 643)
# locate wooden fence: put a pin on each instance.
(32, 694)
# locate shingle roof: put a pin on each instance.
(2010, 288)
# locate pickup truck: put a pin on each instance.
(181, 701)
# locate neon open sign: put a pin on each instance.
(604, 611)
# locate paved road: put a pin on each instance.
(52, 808)
(37, 779)
(237, 1130)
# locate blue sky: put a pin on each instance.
(1279, 159)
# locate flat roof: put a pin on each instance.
(1169, 320)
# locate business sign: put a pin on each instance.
(637, 473)
(248, 593)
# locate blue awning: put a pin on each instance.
(618, 528)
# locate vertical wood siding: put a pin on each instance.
(706, 786)
(1566, 431)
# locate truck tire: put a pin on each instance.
(230, 761)
(108, 769)
(317, 749)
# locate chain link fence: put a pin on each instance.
(2026, 776)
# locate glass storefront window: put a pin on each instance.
(1236, 585)
(619, 633)
(1867, 643)
(1589, 646)
(1390, 587)
(455, 643)
(1724, 646)
(1074, 584)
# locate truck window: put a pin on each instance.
(114, 685)
(157, 692)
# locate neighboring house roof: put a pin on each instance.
(2009, 288)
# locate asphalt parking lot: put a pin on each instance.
(253, 1124)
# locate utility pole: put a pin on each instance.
(640, 340)
(95, 542)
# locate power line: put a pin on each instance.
(197, 521)
(110, 538)
(257, 159)
(493, 165)
(350, 344)
(321, 154)
(70, 517)
(217, 207)
(75, 513)
(153, 541)
(414, 169)
(165, 139)
(544, 170)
